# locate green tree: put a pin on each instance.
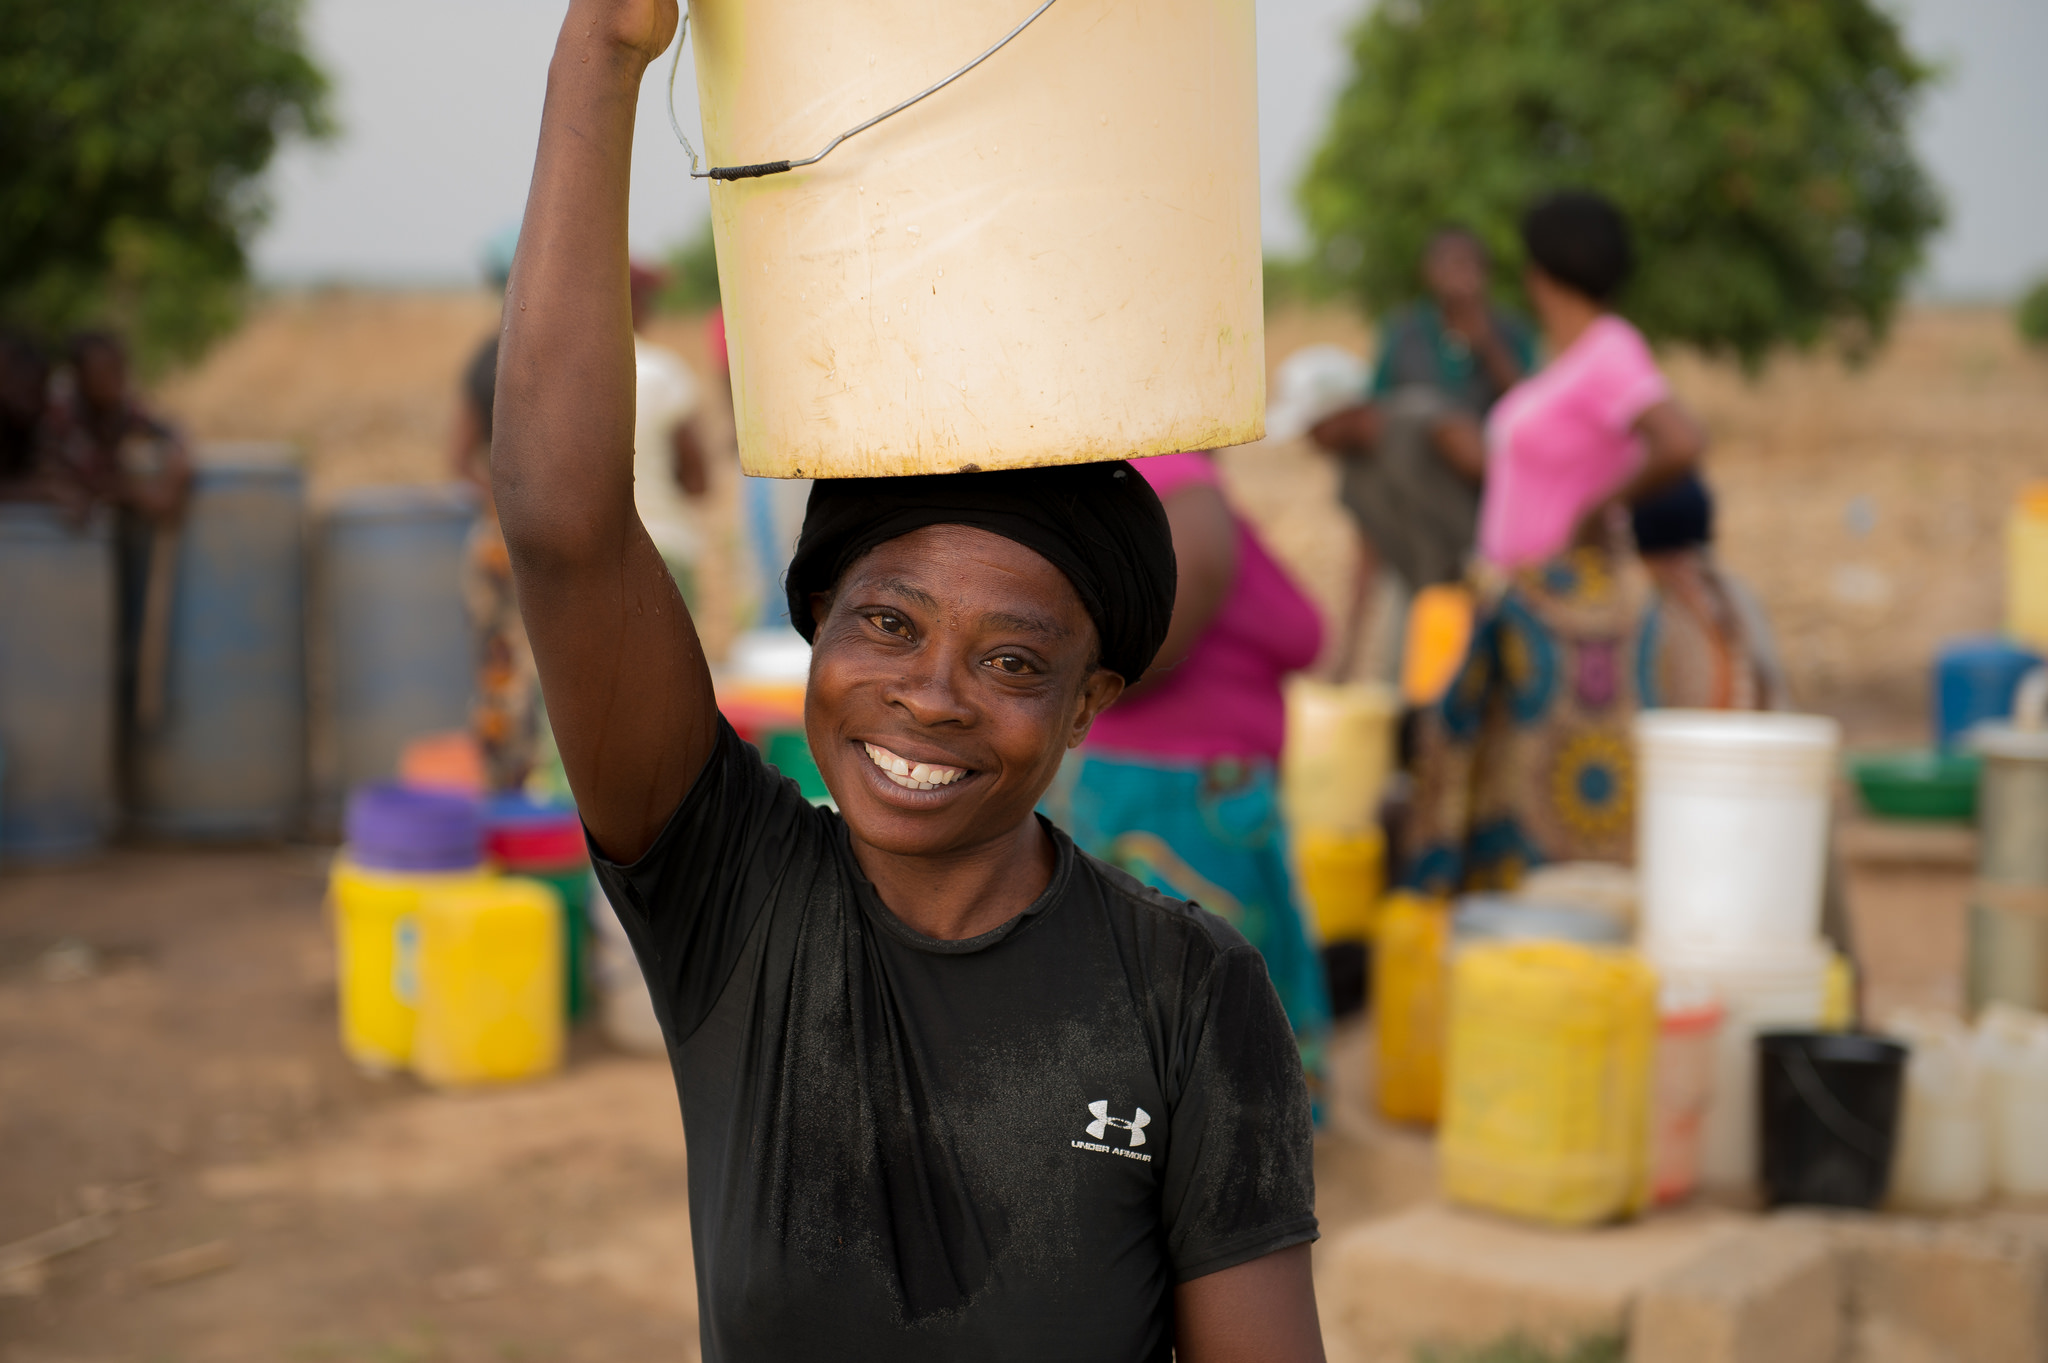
(692, 275)
(2032, 314)
(1759, 148)
(136, 135)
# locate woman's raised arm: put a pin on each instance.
(627, 690)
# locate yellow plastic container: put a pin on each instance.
(1439, 633)
(374, 915)
(1339, 750)
(2026, 568)
(1054, 260)
(490, 983)
(1409, 985)
(1342, 878)
(1547, 1081)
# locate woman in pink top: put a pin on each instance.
(1526, 759)
(1177, 785)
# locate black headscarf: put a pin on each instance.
(1100, 524)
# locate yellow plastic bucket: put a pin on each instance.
(375, 936)
(1341, 878)
(1055, 259)
(1547, 1081)
(1408, 990)
(490, 983)
(1339, 751)
(2026, 568)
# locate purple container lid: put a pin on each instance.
(396, 828)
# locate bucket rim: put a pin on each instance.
(1717, 729)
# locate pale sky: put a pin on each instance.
(439, 102)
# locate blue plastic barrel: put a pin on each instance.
(56, 683)
(399, 657)
(1974, 680)
(228, 757)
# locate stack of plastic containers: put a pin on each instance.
(544, 841)
(402, 844)
(1731, 847)
(1340, 749)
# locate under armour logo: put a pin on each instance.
(1103, 1122)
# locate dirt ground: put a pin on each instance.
(170, 1081)
(1866, 505)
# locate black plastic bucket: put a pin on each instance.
(1828, 1104)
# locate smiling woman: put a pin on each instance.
(952, 1089)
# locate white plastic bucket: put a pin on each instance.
(1732, 833)
(1790, 995)
(1055, 259)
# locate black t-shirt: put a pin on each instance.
(900, 1148)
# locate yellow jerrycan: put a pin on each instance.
(491, 981)
(1547, 1081)
(1053, 259)
(375, 918)
(1343, 879)
(2026, 567)
(1409, 984)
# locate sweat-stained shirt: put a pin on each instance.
(904, 1149)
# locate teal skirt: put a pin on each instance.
(1212, 833)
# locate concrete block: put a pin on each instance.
(1959, 1291)
(1437, 1275)
(1770, 1294)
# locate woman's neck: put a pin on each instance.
(963, 895)
(1566, 317)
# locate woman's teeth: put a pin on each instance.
(912, 775)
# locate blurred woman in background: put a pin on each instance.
(1178, 783)
(1526, 759)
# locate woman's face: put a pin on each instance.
(951, 671)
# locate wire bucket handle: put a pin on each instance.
(697, 172)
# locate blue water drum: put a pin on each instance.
(228, 757)
(56, 683)
(397, 635)
(1974, 680)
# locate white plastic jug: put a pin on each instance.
(1944, 1153)
(2013, 1044)
(1731, 834)
(1055, 259)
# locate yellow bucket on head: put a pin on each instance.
(1409, 985)
(1547, 1081)
(377, 970)
(490, 970)
(1342, 878)
(1056, 259)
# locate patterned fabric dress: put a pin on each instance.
(505, 713)
(1527, 757)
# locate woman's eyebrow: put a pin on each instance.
(1030, 624)
(917, 595)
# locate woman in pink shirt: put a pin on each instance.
(1526, 759)
(1177, 784)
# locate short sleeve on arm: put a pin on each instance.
(1240, 1176)
(689, 903)
(1625, 380)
